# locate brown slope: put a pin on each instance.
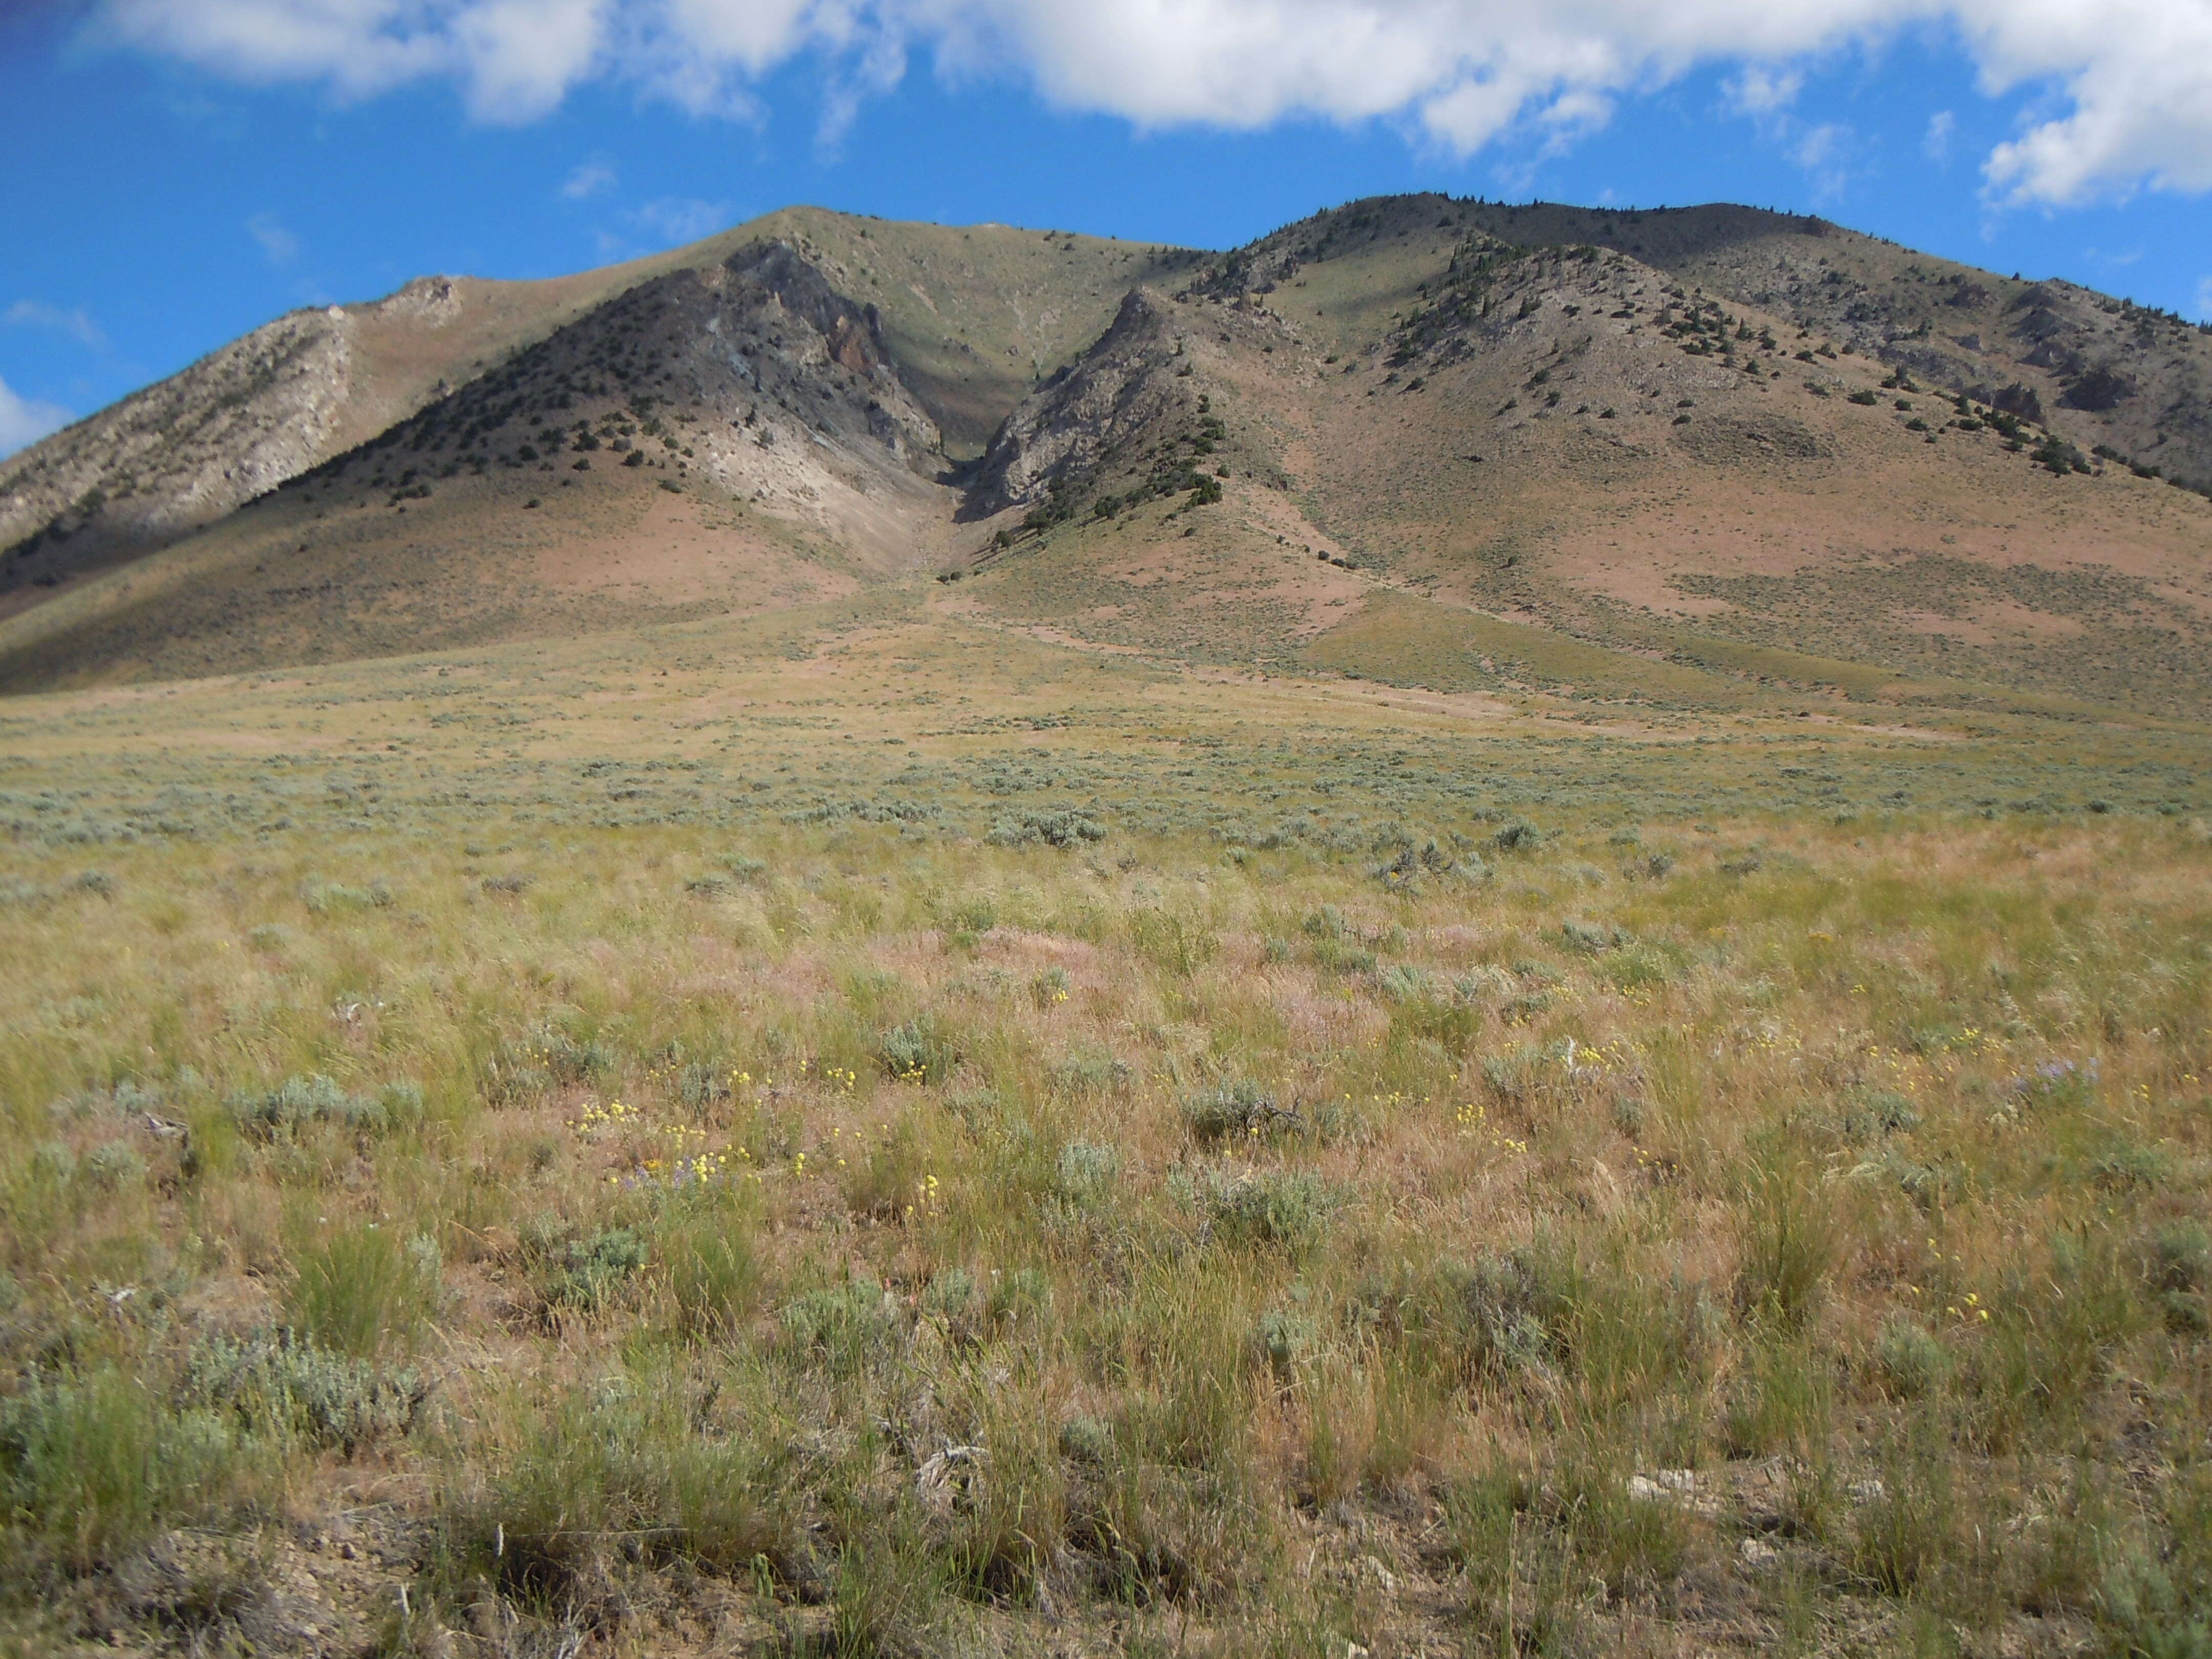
(179, 455)
(974, 316)
(2098, 369)
(718, 439)
(1345, 371)
(2101, 372)
(1564, 442)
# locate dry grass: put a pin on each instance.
(1357, 1199)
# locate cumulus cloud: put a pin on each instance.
(2204, 299)
(77, 324)
(2139, 75)
(26, 420)
(2128, 83)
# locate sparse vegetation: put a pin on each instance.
(1484, 1120)
(939, 1212)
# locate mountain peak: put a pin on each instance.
(1668, 434)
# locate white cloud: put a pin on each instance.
(1942, 128)
(77, 324)
(2128, 83)
(2204, 300)
(279, 243)
(588, 180)
(2139, 75)
(524, 55)
(26, 420)
(1761, 91)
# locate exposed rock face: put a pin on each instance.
(799, 328)
(2099, 371)
(432, 302)
(189, 450)
(755, 372)
(2098, 390)
(179, 454)
(1116, 389)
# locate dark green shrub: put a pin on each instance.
(1087, 1171)
(1285, 1209)
(1911, 1363)
(1878, 1112)
(301, 1102)
(323, 897)
(1504, 1313)
(848, 1326)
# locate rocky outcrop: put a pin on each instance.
(764, 324)
(2097, 390)
(756, 372)
(179, 454)
(2110, 373)
(1120, 386)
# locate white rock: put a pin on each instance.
(1663, 1484)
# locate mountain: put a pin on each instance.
(975, 316)
(2101, 370)
(1633, 456)
(1565, 436)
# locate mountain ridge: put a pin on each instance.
(1637, 431)
(319, 380)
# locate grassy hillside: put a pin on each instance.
(975, 314)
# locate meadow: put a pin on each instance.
(874, 1135)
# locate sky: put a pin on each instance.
(180, 171)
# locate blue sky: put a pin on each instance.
(170, 190)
